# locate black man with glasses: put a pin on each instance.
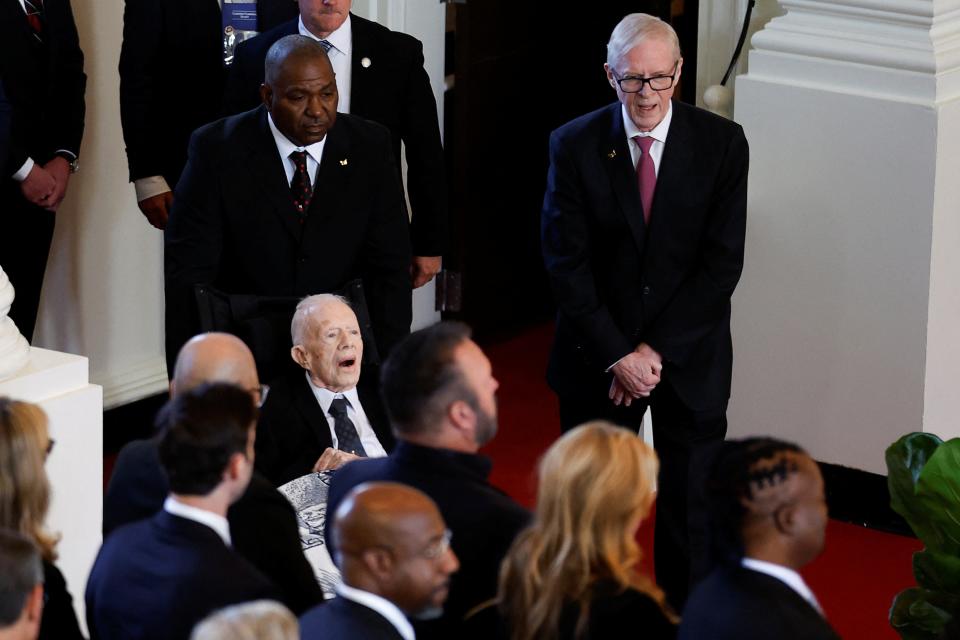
(643, 227)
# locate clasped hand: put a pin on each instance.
(635, 375)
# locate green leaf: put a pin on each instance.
(937, 571)
(906, 458)
(938, 497)
(915, 617)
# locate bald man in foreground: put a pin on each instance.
(769, 511)
(263, 524)
(393, 550)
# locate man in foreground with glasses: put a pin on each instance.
(263, 524)
(643, 228)
(393, 550)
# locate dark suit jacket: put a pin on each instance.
(44, 83)
(172, 77)
(484, 521)
(59, 621)
(293, 430)
(263, 524)
(344, 619)
(157, 578)
(619, 282)
(393, 90)
(6, 116)
(234, 226)
(742, 604)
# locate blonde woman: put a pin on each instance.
(24, 499)
(573, 573)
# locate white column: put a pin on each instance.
(847, 318)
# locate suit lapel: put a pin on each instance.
(330, 184)
(674, 172)
(360, 76)
(615, 154)
(264, 163)
(311, 412)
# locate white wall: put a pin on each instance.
(103, 295)
(846, 319)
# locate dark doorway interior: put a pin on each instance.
(519, 70)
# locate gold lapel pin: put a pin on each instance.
(343, 162)
(612, 154)
(365, 63)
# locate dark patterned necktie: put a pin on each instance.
(326, 45)
(300, 187)
(347, 437)
(34, 9)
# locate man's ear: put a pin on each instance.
(234, 466)
(299, 355)
(785, 519)
(610, 78)
(266, 95)
(462, 415)
(34, 606)
(379, 562)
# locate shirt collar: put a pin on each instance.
(325, 396)
(786, 575)
(341, 39)
(382, 606)
(658, 133)
(207, 518)
(286, 146)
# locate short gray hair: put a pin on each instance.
(20, 571)
(290, 46)
(301, 317)
(633, 30)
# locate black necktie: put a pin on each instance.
(347, 437)
(327, 45)
(300, 187)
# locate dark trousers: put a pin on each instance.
(684, 440)
(26, 232)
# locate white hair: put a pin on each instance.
(257, 620)
(301, 317)
(633, 30)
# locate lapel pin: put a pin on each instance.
(612, 154)
(343, 162)
(365, 63)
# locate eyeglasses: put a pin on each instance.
(50, 443)
(262, 391)
(440, 547)
(634, 84)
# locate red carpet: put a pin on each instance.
(855, 578)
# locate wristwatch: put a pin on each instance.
(71, 160)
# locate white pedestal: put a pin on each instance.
(58, 383)
(847, 319)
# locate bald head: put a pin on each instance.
(391, 540)
(214, 357)
(288, 49)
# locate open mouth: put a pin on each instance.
(348, 363)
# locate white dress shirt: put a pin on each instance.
(341, 58)
(285, 147)
(368, 437)
(382, 606)
(658, 133)
(786, 575)
(207, 518)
